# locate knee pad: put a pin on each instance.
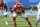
(5, 13)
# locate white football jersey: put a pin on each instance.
(38, 6)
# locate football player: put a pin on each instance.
(38, 14)
(18, 10)
(3, 9)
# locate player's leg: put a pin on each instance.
(14, 19)
(28, 20)
(38, 17)
(11, 12)
(5, 13)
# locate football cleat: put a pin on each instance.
(6, 23)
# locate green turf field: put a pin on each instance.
(32, 9)
(21, 22)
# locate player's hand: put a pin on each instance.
(22, 14)
(31, 11)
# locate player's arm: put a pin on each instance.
(14, 7)
(12, 10)
(6, 7)
(23, 12)
(32, 8)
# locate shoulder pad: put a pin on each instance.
(22, 5)
(4, 3)
(14, 6)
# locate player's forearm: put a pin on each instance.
(22, 14)
(23, 11)
(32, 8)
(12, 10)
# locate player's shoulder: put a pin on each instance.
(4, 3)
(22, 5)
(14, 6)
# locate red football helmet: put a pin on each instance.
(18, 3)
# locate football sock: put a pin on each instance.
(14, 19)
(28, 21)
(5, 18)
(14, 24)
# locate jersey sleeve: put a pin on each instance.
(4, 3)
(22, 7)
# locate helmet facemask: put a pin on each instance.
(19, 4)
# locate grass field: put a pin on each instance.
(32, 9)
(21, 22)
